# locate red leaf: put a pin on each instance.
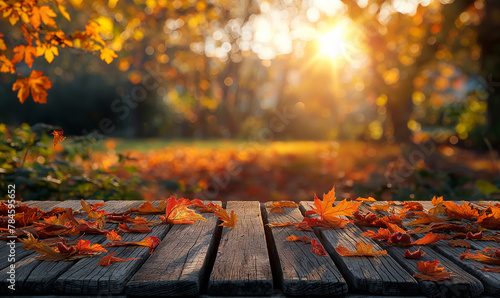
(110, 259)
(414, 255)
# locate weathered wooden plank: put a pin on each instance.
(34, 276)
(85, 277)
(380, 275)
(19, 252)
(178, 264)
(490, 280)
(461, 285)
(301, 272)
(242, 264)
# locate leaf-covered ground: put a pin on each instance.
(227, 170)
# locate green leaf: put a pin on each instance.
(486, 188)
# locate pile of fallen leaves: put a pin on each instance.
(56, 234)
(459, 224)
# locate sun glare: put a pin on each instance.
(332, 43)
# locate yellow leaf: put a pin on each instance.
(62, 10)
(108, 55)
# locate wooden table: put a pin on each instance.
(251, 260)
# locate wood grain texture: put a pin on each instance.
(462, 284)
(301, 272)
(377, 275)
(242, 264)
(37, 277)
(86, 277)
(20, 252)
(178, 264)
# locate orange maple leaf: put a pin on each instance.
(276, 210)
(381, 234)
(148, 208)
(85, 247)
(459, 243)
(414, 255)
(369, 199)
(489, 255)
(136, 229)
(490, 220)
(91, 212)
(300, 239)
(110, 259)
(278, 225)
(36, 83)
(430, 238)
(48, 50)
(26, 53)
(3, 47)
(328, 212)
(324, 206)
(381, 207)
(42, 14)
(108, 55)
(283, 204)
(227, 221)
(6, 65)
(113, 236)
(431, 272)
(490, 269)
(177, 212)
(150, 242)
(438, 208)
(465, 211)
(362, 249)
(317, 248)
(58, 137)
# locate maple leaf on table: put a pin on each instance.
(430, 238)
(110, 259)
(465, 211)
(459, 243)
(381, 234)
(91, 212)
(148, 209)
(136, 229)
(276, 210)
(150, 242)
(414, 255)
(489, 255)
(431, 271)
(299, 239)
(362, 250)
(381, 207)
(178, 212)
(317, 248)
(113, 236)
(280, 225)
(490, 219)
(228, 221)
(439, 208)
(325, 209)
(281, 204)
(490, 269)
(369, 199)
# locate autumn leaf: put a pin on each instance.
(394, 228)
(489, 255)
(6, 65)
(110, 259)
(490, 269)
(210, 208)
(345, 208)
(414, 255)
(381, 207)
(2, 43)
(47, 50)
(439, 208)
(474, 236)
(227, 221)
(113, 236)
(424, 218)
(91, 212)
(36, 83)
(279, 225)
(282, 204)
(85, 247)
(58, 137)
(400, 238)
(276, 210)
(362, 250)
(42, 14)
(62, 10)
(301, 239)
(429, 238)
(431, 271)
(459, 243)
(26, 53)
(108, 55)
(148, 208)
(465, 211)
(303, 226)
(317, 248)
(381, 234)
(334, 223)
(490, 220)
(150, 242)
(324, 206)
(369, 199)
(136, 229)
(177, 212)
